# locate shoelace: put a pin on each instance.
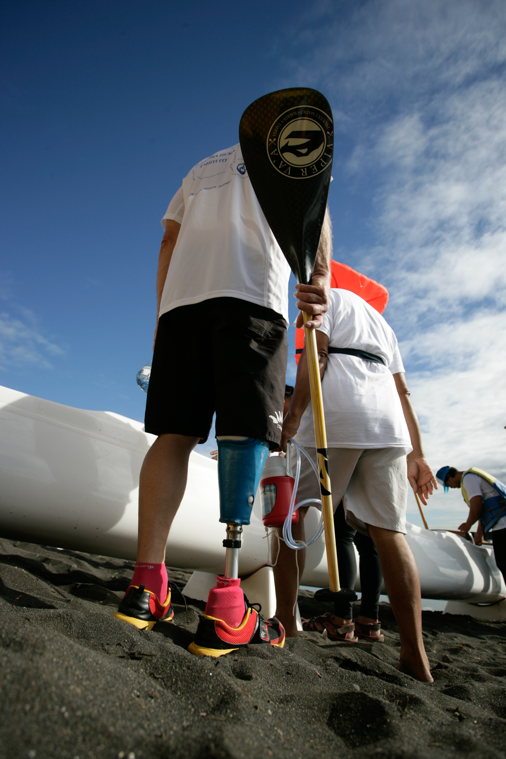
(256, 606)
(173, 587)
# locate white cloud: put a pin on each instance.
(419, 88)
(369, 57)
(442, 214)
(22, 344)
(441, 211)
(446, 177)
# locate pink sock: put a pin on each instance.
(153, 577)
(226, 601)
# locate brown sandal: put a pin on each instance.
(364, 630)
(328, 624)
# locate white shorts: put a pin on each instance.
(372, 483)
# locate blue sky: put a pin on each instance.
(108, 105)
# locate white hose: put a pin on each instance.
(298, 545)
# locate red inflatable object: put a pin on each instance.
(346, 278)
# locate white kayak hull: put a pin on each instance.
(70, 478)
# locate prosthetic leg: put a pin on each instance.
(228, 621)
(240, 466)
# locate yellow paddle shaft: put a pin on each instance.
(421, 512)
(321, 447)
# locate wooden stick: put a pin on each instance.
(321, 447)
(421, 512)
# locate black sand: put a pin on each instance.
(75, 682)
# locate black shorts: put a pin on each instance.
(222, 355)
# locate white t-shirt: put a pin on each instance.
(476, 485)
(225, 247)
(362, 406)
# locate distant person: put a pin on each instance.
(486, 497)
(221, 322)
(371, 427)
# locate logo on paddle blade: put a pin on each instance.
(300, 142)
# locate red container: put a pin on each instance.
(276, 493)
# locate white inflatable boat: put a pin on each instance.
(70, 478)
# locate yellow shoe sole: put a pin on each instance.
(140, 624)
(201, 651)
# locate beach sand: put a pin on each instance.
(75, 682)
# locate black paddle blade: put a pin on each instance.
(287, 141)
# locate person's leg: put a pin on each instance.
(376, 504)
(288, 570)
(339, 624)
(249, 366)
(240, 465)
(179, 425)
(371, 578)
(346, 561)
(288, 563)
(179, 410)
(499, 543)
(341, 465)
(403, 587)
(161, 490)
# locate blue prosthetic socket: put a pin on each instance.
(240, 466)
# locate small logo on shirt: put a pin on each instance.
(277, 418)
(241, 168)
(300, 142)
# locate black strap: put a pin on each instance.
(364, 355)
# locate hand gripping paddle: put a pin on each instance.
(287, 141)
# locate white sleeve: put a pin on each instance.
(175, 211)
(472, 485)
(396, 364)
(328, 320)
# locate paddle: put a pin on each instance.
(421, 512)
(287, 141)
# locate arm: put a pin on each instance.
(302, 393)
(420, 475)
(475, 509)
(314, 298)
(478, 535)
(166, 250)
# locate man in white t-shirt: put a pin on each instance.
(486, 497)
(222, 315)
(371, 426)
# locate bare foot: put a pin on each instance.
(418, 670)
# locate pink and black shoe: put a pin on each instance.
(215, 638)
(141, 607)
(369, 631)
(329, 625)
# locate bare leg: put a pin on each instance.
(403, 586)
(285, 577)
(161, 490)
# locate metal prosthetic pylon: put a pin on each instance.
(232, 543)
